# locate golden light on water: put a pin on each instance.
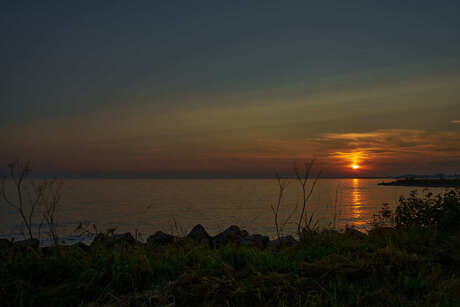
(356, 194)
(356, 199)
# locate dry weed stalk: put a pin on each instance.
(282, 184)
(303, 179)
(36, 203)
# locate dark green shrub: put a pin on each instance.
(441, 210)
(385, 217)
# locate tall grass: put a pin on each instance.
(341, 271)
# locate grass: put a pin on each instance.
(411, 267)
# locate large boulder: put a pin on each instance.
(200, 235)
(286, 241)
(26, 244)
(161, 238)
(232, 234)
(255, 240)
(105, 241)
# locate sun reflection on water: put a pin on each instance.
(356, 199)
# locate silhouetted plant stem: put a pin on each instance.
(32, 201)
(276, 207)
(302, 179)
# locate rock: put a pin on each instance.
(161, 238)
(355, 233)
(286, 241)
(255, 241)
(104, 240)
(29, 243)
(200, 235)
(232, 234)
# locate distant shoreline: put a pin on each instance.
(231, 178)
(433, 183)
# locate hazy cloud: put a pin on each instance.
(377, 152)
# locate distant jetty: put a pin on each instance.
(424, 182)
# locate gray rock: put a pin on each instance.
(29, 243)
(199, 235)
(255, 240)
(286, 241)
(160, 238)
(232, 234)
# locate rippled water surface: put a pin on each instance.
(177, 205)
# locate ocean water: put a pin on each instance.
(144, 206)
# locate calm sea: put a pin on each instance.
(177, 205)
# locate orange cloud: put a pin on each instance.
(375, 152)
(391, 147)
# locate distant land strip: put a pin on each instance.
(424, 183)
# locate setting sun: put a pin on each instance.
(355, 166)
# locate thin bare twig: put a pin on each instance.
(303, 180)
(33, 201)
(276, 207)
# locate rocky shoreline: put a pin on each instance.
(198, 236)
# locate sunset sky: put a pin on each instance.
(230, 88)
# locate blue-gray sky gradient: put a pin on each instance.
(235, 87)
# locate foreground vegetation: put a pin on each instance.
(416, 262)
